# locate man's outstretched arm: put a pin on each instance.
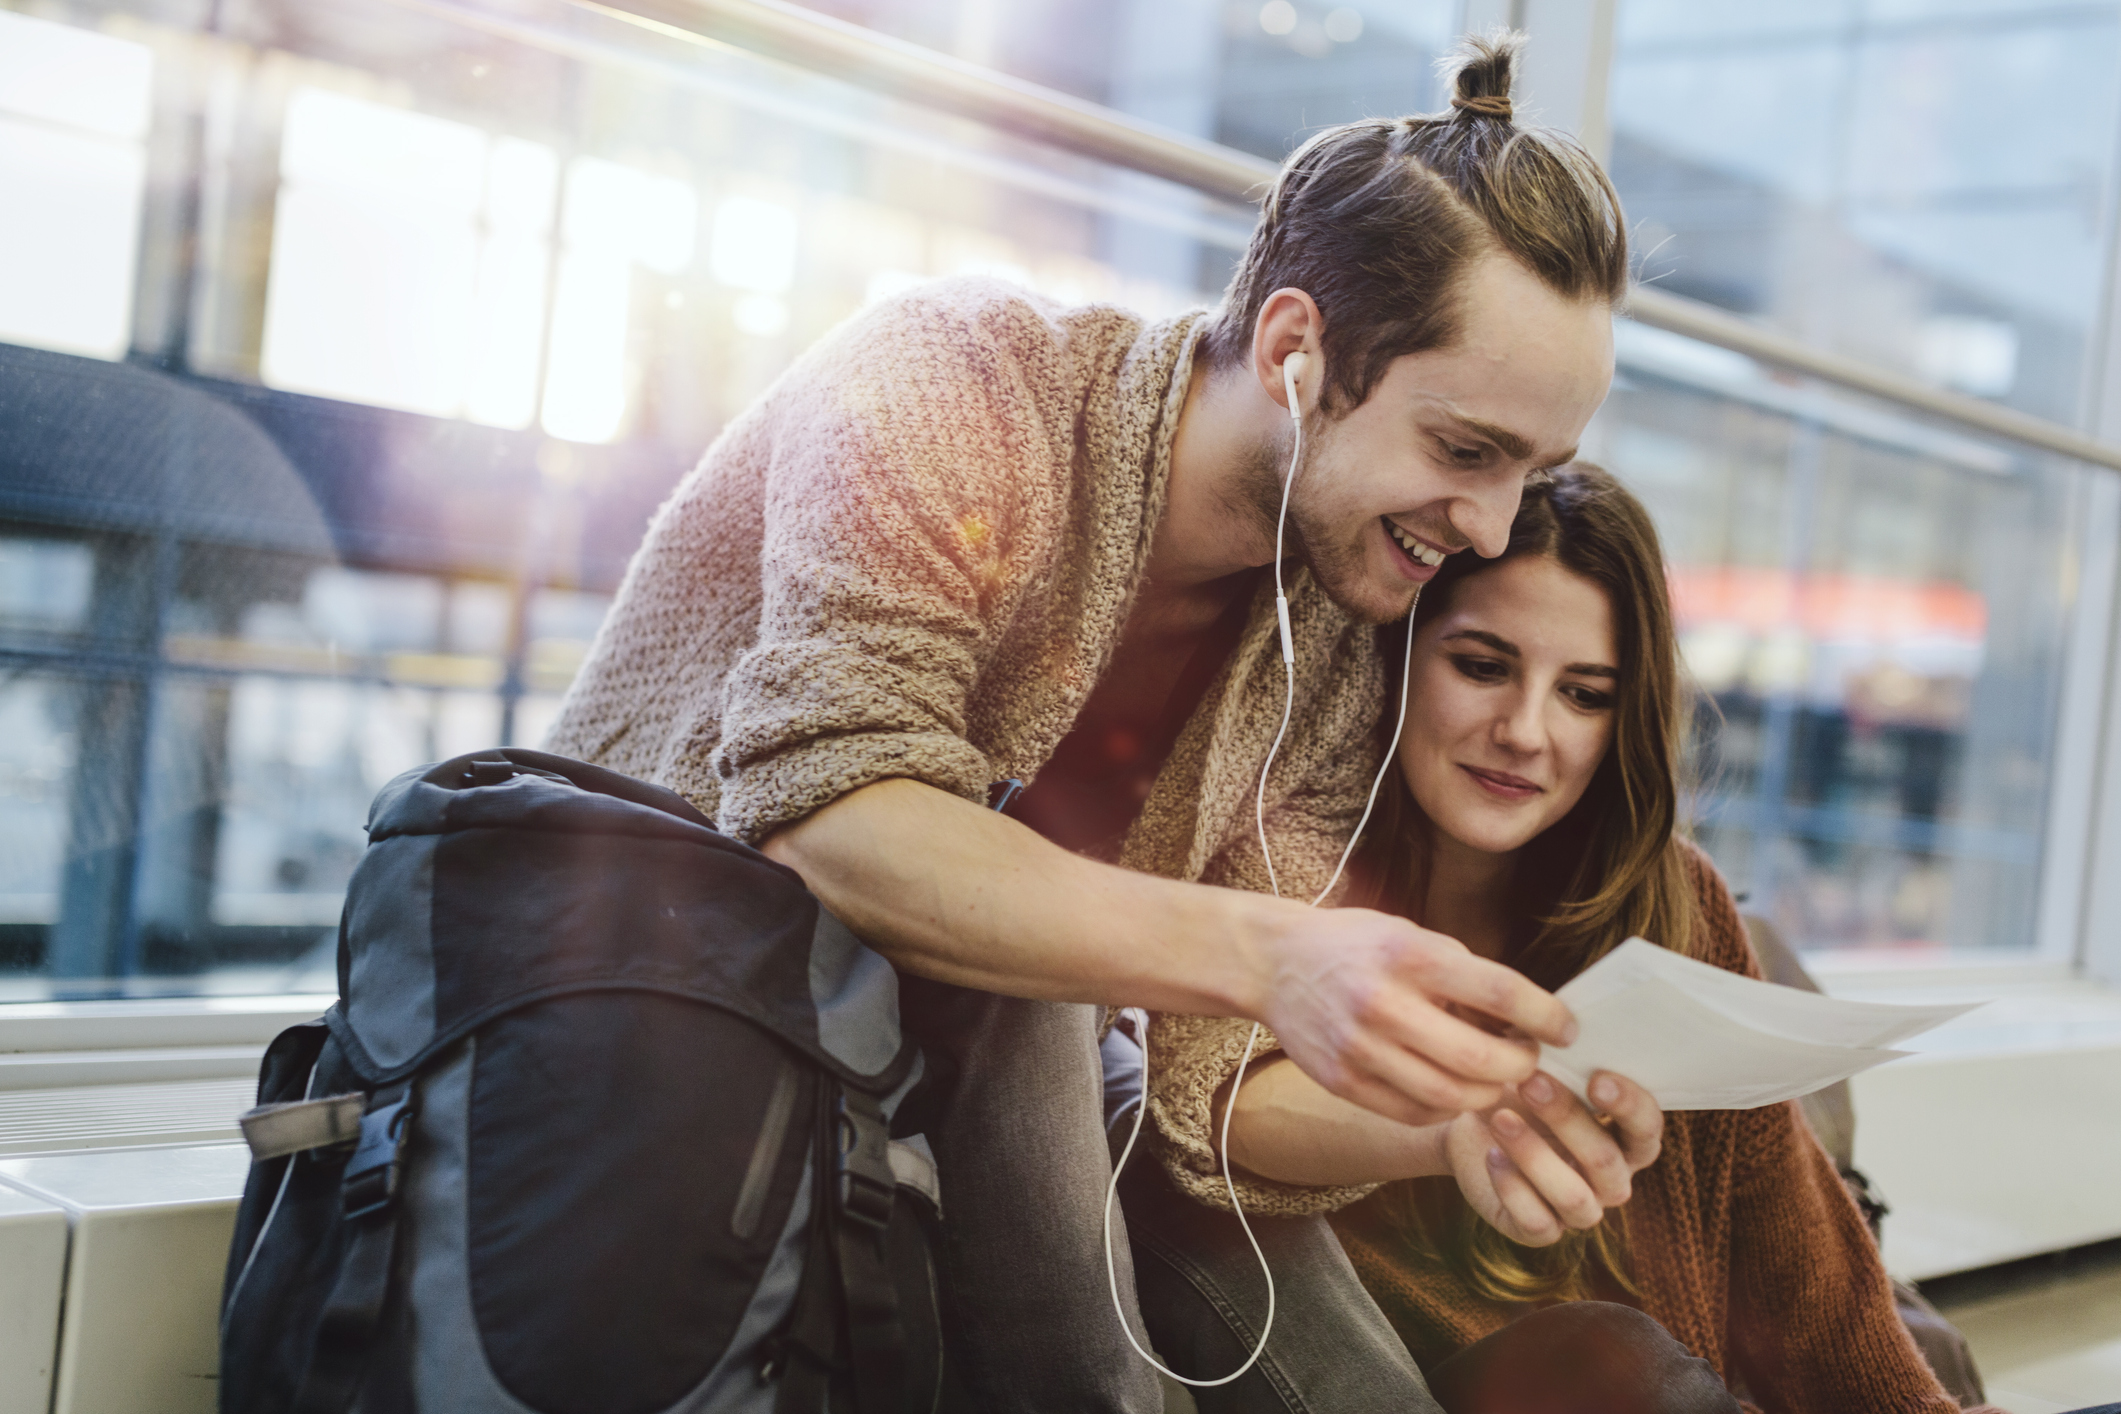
(951, 891)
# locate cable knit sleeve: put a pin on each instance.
(1190, 1058)
(911, 488)
(1812, 1327)
(1812, 1321)
(1315, 795)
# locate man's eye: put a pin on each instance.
(1466, 455)
(1480, 669)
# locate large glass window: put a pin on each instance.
(345, 352)
(407, 324)
(1875, 611)
(1878, 609)
(1923, 184)
(73, 162)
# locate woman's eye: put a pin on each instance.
(1480, 669)
(1588, 698)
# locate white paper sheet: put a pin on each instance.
(1700, 1038)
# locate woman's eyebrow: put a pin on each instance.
(1503, 645)
(1493, 640)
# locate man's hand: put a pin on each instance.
(1365, 1002)
(1362, 1001)
(1541, 1164)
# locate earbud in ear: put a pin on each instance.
(1292, 369)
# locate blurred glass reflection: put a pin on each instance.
(345, 351)
(1875, 611)
(1920, 183)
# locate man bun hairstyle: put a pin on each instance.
(1377, 220)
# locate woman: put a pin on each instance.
(1533, 819)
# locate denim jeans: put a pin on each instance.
(1015, 1112)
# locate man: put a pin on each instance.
(974, 537)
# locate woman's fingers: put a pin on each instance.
(1523, 1214)
(1596, 1154)
(1493, 1188)
(1635, 1114)
(1564, 1191)
(1555, 1166)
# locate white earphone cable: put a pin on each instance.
(1259, 815)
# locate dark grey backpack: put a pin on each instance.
(599, 1125)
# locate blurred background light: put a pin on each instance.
(615, 217)
(754, 245)
(1972, 354)
(73, 117)
(74, 78)
(585, 376)
(1344, 26)
(508, 317)
(522, 183)
(375, 254)
(761, 315)
(633, 214)
(515, 266)
(886, 284)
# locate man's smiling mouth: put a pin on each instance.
(1419, 552)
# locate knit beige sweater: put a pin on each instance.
(913, 558)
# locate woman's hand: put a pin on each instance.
(1541, 1163)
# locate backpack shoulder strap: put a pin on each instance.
(847, 1285)
(864, 1191)
(346, 1331)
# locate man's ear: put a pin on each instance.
(1288, 323)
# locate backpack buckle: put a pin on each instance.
(867, 1187)
(371, 1179)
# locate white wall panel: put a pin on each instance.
(139, 1328)
(1999, 1142)
(32, 1281)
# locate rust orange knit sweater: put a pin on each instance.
(1741, 1237)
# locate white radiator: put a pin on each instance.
(32, 1277)
(121, 1253)
(2001, 1139)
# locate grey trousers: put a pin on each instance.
(1016, 1115)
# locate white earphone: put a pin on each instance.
(1292, 371)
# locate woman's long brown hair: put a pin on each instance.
(1609, 870)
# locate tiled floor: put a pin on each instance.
(2046, 1334)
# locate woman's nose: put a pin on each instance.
(1520, 727)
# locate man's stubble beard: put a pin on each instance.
(1255, 494)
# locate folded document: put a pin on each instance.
(1700, 1038)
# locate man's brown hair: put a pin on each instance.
(1377, 220)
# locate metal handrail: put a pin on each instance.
(822, 45)
(1710, 325)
